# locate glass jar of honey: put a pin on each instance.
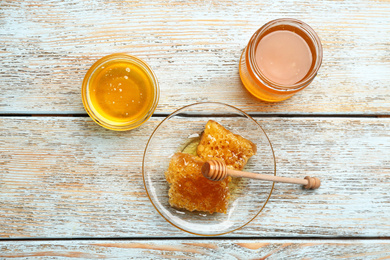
(281, 58)
(120, 92)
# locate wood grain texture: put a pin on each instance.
(68, 177)
(194, 48)
(199, 249)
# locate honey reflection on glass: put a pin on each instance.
(120, 92)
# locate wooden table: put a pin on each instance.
(70, 188)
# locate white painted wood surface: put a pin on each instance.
(194, 48)
(64, 177)
(198, 249)
(67, 177)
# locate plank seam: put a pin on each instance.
(163, 115)
(197, 238)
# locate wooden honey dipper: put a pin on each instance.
(216, 171)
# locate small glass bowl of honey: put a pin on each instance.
(281, 59)
(120, 92)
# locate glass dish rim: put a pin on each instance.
(153, 134)
(100, 62)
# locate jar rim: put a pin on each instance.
(89, 107)
(258, 35)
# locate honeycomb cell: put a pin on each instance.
(219, 143)
(190, 190)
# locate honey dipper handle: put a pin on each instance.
(216, 170)
(309, 182)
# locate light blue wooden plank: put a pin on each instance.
(194, 48)
(198, 249)
(68, 177)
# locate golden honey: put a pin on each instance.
(219, 143)
(120, 92)
(188, 188)
(281, 59)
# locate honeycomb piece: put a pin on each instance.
(219, 143)
(190, 190)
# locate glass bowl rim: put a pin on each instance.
(171, 115)
(134, 60)
(305, 29)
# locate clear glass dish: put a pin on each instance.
(181, 130)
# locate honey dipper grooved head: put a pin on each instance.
(214, 170)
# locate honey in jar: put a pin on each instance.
(120, 92)
(284, 57)
(281, 58)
